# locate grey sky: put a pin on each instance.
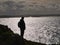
(29, 7)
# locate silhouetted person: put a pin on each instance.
(21, 25)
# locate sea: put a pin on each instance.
(38, 29)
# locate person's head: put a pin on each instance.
(22, 17)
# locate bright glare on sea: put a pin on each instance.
(38, 29)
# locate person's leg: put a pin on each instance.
(22, 33)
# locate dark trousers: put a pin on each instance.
(22, 32)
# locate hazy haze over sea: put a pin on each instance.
(38, 29)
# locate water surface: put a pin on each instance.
(38, 29)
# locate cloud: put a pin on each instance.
(11, 8)
(25, 8)
(11, 5)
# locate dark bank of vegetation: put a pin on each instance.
(7, 37)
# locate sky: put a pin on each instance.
(29, 7)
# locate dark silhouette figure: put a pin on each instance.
(21, 25)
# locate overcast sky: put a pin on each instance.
(29, 7)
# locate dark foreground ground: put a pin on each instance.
(7, 37)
